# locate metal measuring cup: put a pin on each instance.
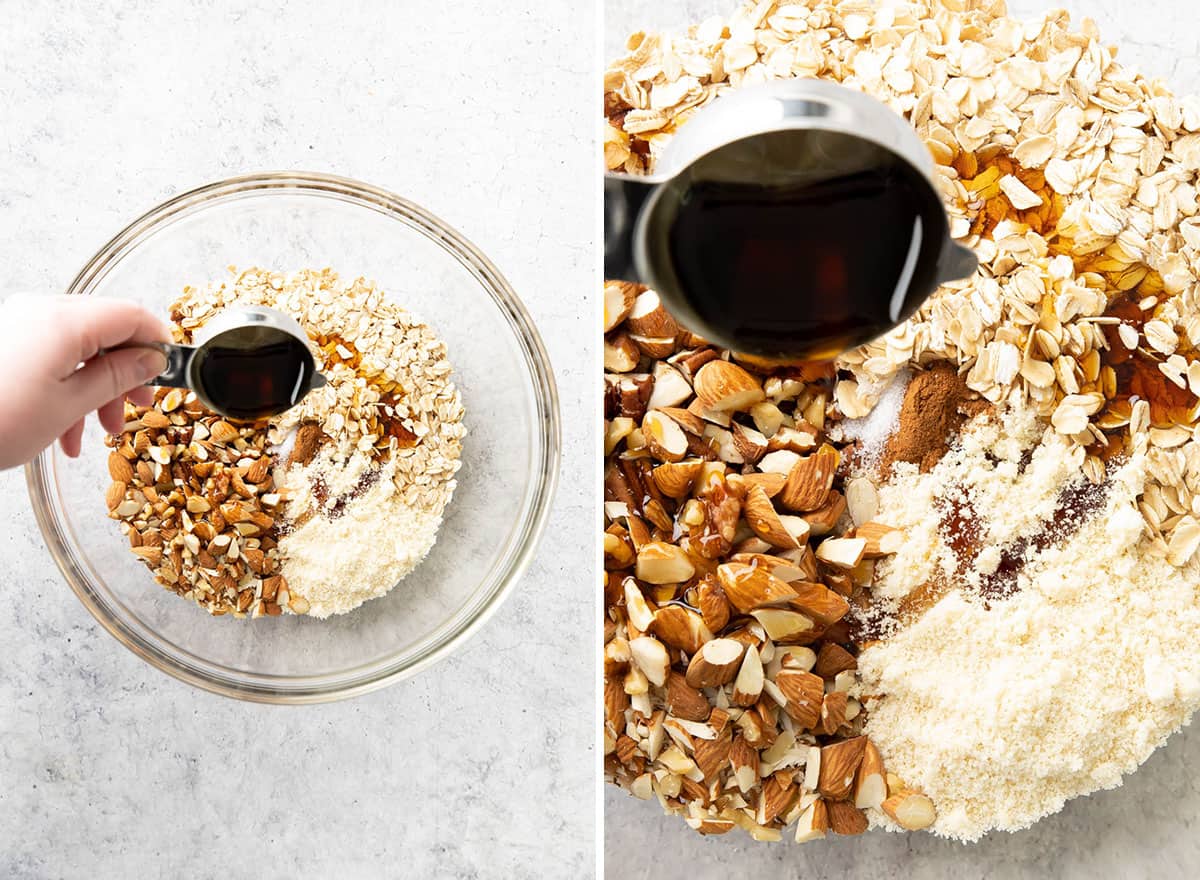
(253, 332)
(637, 214)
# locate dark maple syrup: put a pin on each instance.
(1135, 374)
(801, 243)
(254, 372)
(390, 403)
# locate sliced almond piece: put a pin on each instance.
(670, 387)
(768, 418)
(154, 419)
(722, 444)
(714, 607)
(820, 603)
(621, 354)
(839, 766)
(805, 693)
(115, 494)
(661, 563)
(664, 438)
(844, 553)
(684, 700)
(862, 500)
(652, 658)
(870, 787)
(748, 685)
(710, 416)
(776, 797)
(709, 825)
(656, 347)
(798, 440)
(712, 755)
(690, 422)
(619, 297)
(813, 822)
(771, 484)
(763, 519)
(911, 810)
(616, 430)
(833, 659)
(798, 528)
(779, 566)
(675, 479)
(722, 386)
(647, 317)
(823, 520)
(220, 432)
(833, 712)
(795, 657)
(119, 468)
(680, 628)
(749, 443)
(636, 609)
(780, 462)
(845, 818)
(743, 758)
(882, 540)
(748, 586)
(715, 664)
(786, 625)
(810, 480)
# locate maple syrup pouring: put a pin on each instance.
(254, 372)
(801, 243)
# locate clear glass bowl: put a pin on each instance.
(289, 221)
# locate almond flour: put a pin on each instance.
(320, 508)
(1002, 711)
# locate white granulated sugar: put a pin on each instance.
(1003, 713)
(873, 430)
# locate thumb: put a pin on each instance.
(110, 376)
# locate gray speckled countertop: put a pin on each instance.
(1146, 828)
(478, 111)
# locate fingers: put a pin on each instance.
(141, 396)
(86, 325)
(112, 415)
(71, 440)
(109, 377)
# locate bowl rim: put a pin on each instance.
(276, 689)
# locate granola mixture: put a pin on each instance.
(1072, 355)
(285, 514)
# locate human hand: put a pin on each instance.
(52, 373)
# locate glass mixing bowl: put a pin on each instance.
(290, 221)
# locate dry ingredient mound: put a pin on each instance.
(363, 507)
(1003, 711)
(314, 511)
(1077, 491)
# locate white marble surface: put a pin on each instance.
(1144, 829)
(482, 766)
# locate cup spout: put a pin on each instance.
(624, 197)
(956, 262)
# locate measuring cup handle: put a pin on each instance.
(624, 196)
(179, 357)
(955, 262)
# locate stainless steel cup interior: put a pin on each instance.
(630, 201)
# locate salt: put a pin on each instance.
(873, 430)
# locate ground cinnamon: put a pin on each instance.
(936, 403)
